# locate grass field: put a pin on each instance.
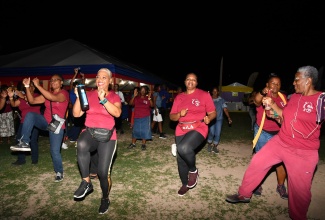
(29, 191)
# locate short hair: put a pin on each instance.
(106, 70)
(309, 71)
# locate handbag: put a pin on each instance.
(56, 123)
(188, 126)
(101, 134)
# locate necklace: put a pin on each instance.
(295, 120)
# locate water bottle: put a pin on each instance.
(267, 106)
(83, 97)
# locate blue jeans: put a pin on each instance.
(21, 156)
(264, 137)
(214, 132)
(33, 119)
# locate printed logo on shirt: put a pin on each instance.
(308, 107)
(196, 102)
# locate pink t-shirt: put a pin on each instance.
(269, 124)
(97, 115)
(198, 104)
(299, 128)
(142, 107)
(24, 107)
(59, 108)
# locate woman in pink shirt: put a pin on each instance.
(104, 105)
(194, 110)
(56, 101)
(296, 145)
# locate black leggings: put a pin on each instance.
(186, 150)
(85, 145)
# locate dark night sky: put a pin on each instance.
(172, 40)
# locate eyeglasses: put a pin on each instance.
(54, 80)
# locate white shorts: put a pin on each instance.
(157, 117)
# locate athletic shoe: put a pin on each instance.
(17, 163)
(281, 189)
(59, 177)
(131, 146)
(83, 189)
(236, 198)
(21, 146)
(162, 136)
(209, 147)
(258, 191)
(183, 190)
(35, 162)
(215, 149)
(64, 146)
(174, 150)
(192, 178)
(103, 208)
(143, 147)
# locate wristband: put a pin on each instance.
(26, 86)
(103, 101)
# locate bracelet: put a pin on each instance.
(262, 93)
(26, 86)
(103, 101)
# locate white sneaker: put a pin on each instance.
(174, 150)
(64, 146)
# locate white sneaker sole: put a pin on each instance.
(19, 149)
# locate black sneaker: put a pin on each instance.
(162, 136)
(143, 147)
(21, 146)
(215, 149)
(59, 177)
(209, 149)
(103, 208)
(83, 189)
(131, 146)
(35, 162)
(17, 163)
(236, 198)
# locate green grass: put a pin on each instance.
(29, 191)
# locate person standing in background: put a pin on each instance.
(142, 116)
(23, 105)
(165, 96)
(215, 126)
(194, 110)
(157, 109)
(7, 125)
(56, 102)
(118, 121)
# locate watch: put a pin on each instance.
(103, 101)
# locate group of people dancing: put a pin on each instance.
(286, 136)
